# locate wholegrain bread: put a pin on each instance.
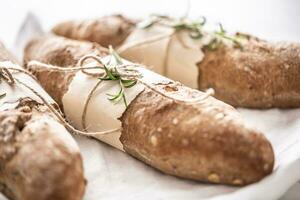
(110, 30)
(261, 74)
(206, 141)
(265, 74)
(39, 160)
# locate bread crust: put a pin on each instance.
(110, 30)
(206, 141)
(39, 160)
(261, 75)
(58, 53)
(265, 75)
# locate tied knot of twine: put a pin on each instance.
(124, 70)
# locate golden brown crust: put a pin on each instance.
(39, 160)
(206, 141)
(61, 52)
(109, 30)
(261, 75)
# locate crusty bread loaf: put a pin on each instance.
(61, 55)
(260, 75)
(206, 141)
(39, 160)
(110, 30)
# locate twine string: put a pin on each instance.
(41, 66)
(7, 75)
(173, 32)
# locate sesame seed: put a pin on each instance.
(213, 177)
(153, 140)
(237, 181)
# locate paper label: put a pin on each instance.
(16, 92)
(173, 55)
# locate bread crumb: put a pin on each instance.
(153, 140)
(159, 129)
(213, 177)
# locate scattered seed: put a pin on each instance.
(213, 177)
(237, 181)
(153, 140)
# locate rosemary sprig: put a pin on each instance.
(222, 33)
(153, 19)
(2, 95)
(126, 77)
(195, 28)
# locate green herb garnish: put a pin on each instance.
(178, 24)
(222, 34)
(116, 70)
(195, 29)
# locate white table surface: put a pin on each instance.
(269, 19)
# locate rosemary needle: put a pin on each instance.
(113, 73)
(195, 29)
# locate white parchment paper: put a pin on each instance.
(112, 174)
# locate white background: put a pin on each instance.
(269, 19)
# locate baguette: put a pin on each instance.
(39, 160)
(206, 141)
(261, 74)
(110, 30)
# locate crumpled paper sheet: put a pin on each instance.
(112, 174)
